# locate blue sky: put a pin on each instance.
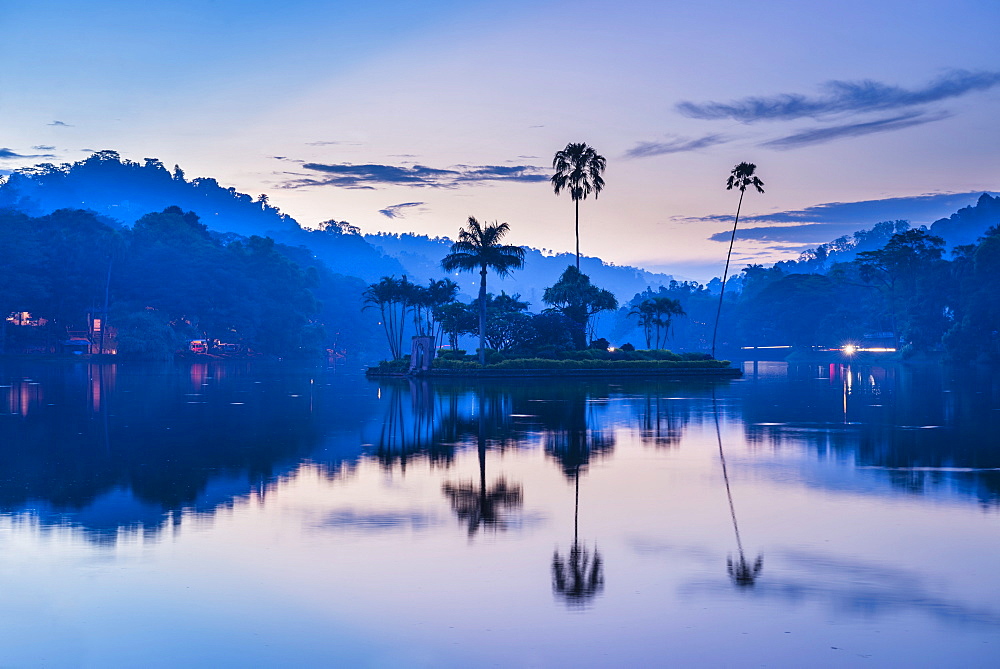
(405, 116)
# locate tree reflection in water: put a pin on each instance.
(572, 437)
(422, 427)
(486, 506)
(742, 572)
(579, 577)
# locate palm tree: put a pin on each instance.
(391, 296)
(644, 313)
(741, 177)
(657, 312)
(665, 309)
(578, 168)
(479, 248)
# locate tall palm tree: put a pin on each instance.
(479, 247)
(578, 168)
(741, 177)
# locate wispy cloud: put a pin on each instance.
(44, 147)
(841, 97)
(830, 133)
(61, 124)
(810, 233)
(825, 222)
(676, 145)
(333, 143)
(346, 175)
(396, 210)
(10, 154)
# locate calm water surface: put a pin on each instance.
(251, 515)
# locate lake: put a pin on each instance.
(249, 514)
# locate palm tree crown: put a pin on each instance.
(479, 247)
(578, 168)
(743, 176)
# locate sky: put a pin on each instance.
(411, 117)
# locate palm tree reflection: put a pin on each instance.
(579, 577)
(419, 427)
(572, 437)
(486, 506)
(741, 571)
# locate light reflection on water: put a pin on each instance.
(810, 514)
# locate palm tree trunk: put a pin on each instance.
(482, 316)
(577, 201)
(725, 273)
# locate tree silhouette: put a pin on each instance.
(741, 177)
(578, 168)
(658, 313)
(393, 298)
(479, 247)
(575, 297)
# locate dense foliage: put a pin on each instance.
(167, 280)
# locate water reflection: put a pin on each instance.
(742, 572)
(112, 448)
(923, 427)
(579, 577)
(482, 506)
(332, 492)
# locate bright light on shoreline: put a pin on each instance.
(849, 349)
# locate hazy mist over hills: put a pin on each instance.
(125, 190)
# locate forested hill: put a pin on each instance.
(969, 223)
(124, 191)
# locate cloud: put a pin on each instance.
(824, 222)
(828, 134)
(43, 147)
(677, 145)
(61, 124)
(346, 175)
(10, 154)
(842, 97)
(333, 143)
(811, 233)
(396, 210)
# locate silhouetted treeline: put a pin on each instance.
(904, 293)
(167, 280)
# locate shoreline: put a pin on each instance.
(685, 372)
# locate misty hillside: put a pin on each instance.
(421, 255)
(124, 191)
